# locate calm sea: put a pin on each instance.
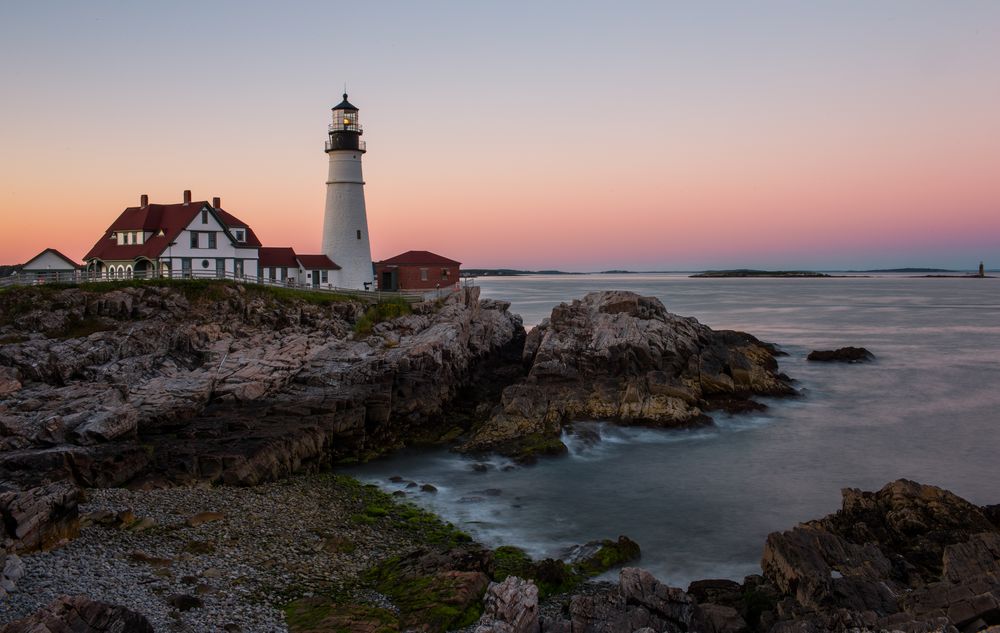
(700, 503)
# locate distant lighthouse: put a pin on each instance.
(345, 224)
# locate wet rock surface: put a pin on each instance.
(622, 357)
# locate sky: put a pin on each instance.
(540, 135)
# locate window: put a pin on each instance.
(185, 267)
(135, 240)
(444, 273)
(271, 272)
(423, 274)
(241, 235)
(359, 235)
(324, 276)
(204, 216)
(211, 239)
(194, 239)
(127, 237)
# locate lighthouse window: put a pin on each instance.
(359, 235)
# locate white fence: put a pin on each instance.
(83, 277)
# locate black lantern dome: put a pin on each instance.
(345, 131)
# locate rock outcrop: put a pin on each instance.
(78, 614)
(622, 357)
(224, 383)
(910, 557)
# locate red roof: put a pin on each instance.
(416, 258)
(277, 257)
(317, 262)
(171, 218)
(68, 260)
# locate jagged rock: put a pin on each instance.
(510, 606)
(40, 517)
(908, 557)
(78, 614)
(639, 601)
(841, 355)
(233, 387)
(622, 357)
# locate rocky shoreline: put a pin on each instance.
(160, 446)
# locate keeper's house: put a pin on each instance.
(50, 265)
(188, 239)
(417, 270)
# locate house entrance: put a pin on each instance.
(315, 279)
(388, 281)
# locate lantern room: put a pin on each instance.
(345, 131)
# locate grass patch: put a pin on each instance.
(322, 615)
(384, 311)
(377, 506)
(436, 602)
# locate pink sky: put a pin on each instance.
(585, 138)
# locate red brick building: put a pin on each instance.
(417, 270)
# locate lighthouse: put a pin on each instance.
(345, 223)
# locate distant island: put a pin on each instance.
(906, 270)
(744, 272)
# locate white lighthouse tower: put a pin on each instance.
(345, 225)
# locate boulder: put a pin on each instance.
(510, 606)
(841, 355)
(78, 614)
(11, 570)
(622, 357)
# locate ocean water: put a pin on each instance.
(700, 503)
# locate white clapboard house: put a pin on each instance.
(187, 239)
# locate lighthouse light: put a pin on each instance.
(347, 121)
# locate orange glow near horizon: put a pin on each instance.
(806, 138)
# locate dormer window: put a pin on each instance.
(241, 235)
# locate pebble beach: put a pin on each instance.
(216, 559)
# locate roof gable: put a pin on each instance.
(416, 258)
(317, 262)
(70, 262)
(171, 220)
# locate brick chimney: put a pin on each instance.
(144, 201)
(187, 197)
(217, 202)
